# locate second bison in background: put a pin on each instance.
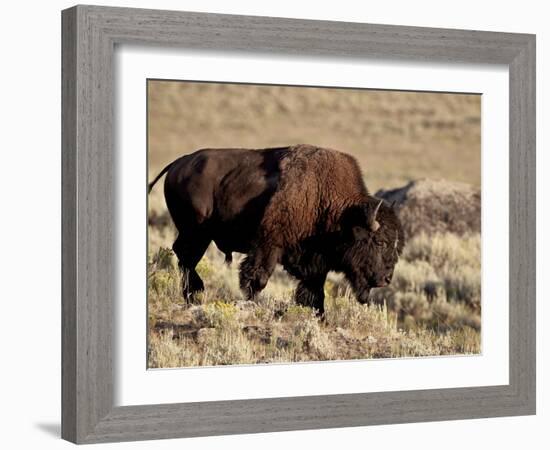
(304, 207)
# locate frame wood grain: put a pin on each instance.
(90, 34)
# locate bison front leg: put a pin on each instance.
(256, 269)
(310, 292)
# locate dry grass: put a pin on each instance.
(432, 308)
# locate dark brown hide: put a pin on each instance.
(302, 206)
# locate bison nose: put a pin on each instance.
(387, 279)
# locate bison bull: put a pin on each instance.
(304, 207)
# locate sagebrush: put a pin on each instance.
(433, 307)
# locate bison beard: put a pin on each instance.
(304, 207)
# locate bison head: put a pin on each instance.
(373, 242)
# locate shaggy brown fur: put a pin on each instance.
(315, 187)
(302, 206)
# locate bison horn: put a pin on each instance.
(374, 225)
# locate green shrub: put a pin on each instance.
(165, 283)
(220, 314)
(298, 313)
(463, 284)
(203, 268)
(414, 276)
(163, 259)
(445, 249)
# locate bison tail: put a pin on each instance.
(162, 172)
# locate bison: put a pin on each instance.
(302, 206)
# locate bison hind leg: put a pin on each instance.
(189, 251)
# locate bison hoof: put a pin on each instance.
(192, 289)
(191, 285)
(249, 290)
(251, 286)
(193, 298)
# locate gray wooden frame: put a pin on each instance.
(89, 36)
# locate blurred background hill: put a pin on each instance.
(396, 136)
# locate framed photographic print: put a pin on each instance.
(268, 222)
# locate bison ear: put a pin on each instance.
(359, 233)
